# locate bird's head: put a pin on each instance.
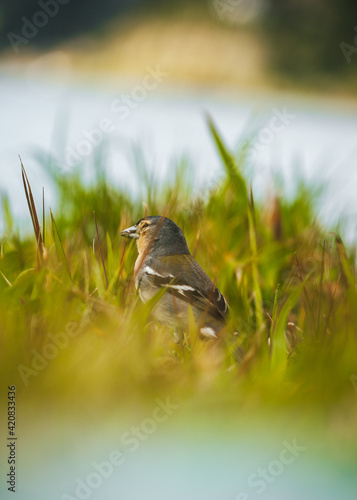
(158, 236)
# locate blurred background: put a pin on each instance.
(125, 83)
(81, 76)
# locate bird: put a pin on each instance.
(164, 263)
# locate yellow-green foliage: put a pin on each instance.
(291, 340)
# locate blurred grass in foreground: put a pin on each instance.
(73, 342)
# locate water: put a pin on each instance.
(314, 139)
(176, 462)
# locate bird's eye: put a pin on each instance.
(144, 225)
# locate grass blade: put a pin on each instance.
(8, 218)
(241, 192)
(5, 278)
(273, 319)
(59, 247)
(258, 298)
(43, 216)
(33, 211)
(320, 286)
(100, 250)
(278, 345)
(346, 272)
(229, 163)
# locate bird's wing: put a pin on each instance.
(185, 279)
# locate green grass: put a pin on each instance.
(290, 285)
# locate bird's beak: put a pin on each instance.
(131, 232)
